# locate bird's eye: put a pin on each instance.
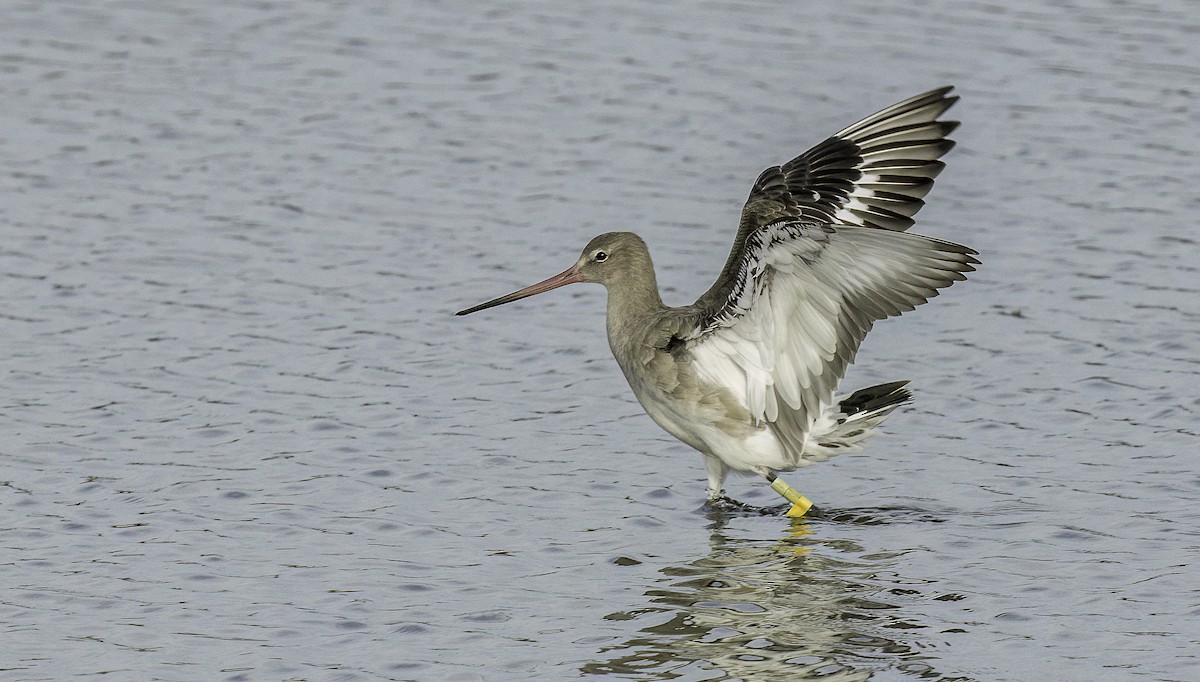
(600, 257)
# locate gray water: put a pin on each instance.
(243, 438)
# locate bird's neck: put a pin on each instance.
(633, 304)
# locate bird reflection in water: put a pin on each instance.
(794, 607)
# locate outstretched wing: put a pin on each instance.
(803, 297)
(872, 173)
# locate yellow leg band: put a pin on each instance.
(800, 503)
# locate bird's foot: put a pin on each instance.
(794, 511)
(726, 503)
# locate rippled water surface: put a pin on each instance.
(243, 438)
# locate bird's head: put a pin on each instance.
(608, 258)
(612, 257)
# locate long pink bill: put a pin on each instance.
(568, 276)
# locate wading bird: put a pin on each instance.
(747, 373)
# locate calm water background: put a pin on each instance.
(242, 438)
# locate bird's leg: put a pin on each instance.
(717, 498)
(716, 478)
(800, 503)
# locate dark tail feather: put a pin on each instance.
(861, 412)
(876, 399)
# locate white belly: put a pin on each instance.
(745, 449)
